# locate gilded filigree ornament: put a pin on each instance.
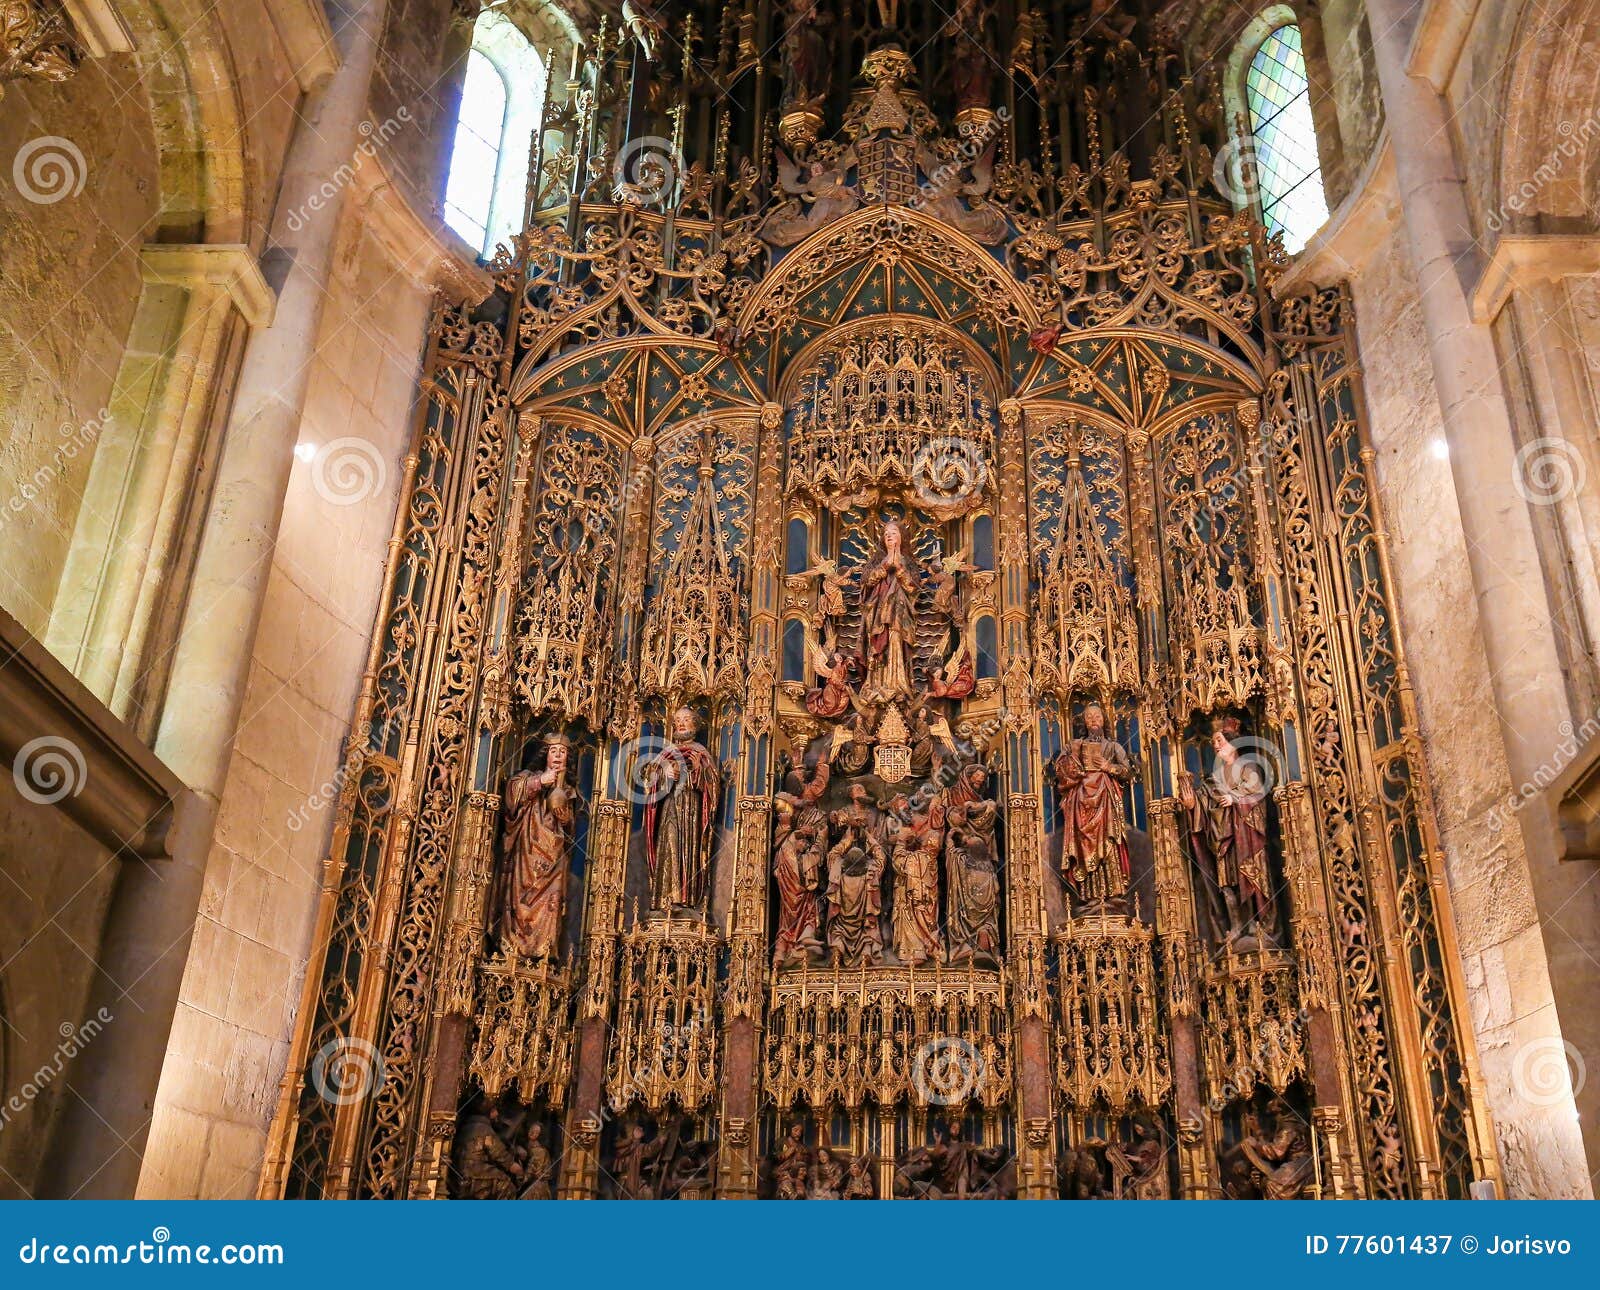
(889, 507)
(34, 42)
(665, 1038)
(694, 636)
(893, 413)
(1111, 1051)
(565, 613)
(1088, 636)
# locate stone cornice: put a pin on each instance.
(234, 269)
(99, 27)
(302, 26)
(1575, 798)
(425, 249)
(1519, 259)
(1363, 222)
(1440, 37)
(80, 759)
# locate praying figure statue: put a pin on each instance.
(916, 896)
(889, 619)
(539, 810)
(797, 865)
(684, 784)
(972, 876)
(1228, 832)
(1089, 775)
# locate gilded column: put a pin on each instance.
(747, 919)
(1031, 1064)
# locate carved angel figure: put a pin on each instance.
(946, 183)
(540, 808)
(831, 607)
(821, 185)
(832, 698)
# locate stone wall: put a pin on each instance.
(68, 290)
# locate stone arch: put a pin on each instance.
(196, 111)
(1547, 165)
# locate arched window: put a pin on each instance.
(1277, 95)
(502, 100)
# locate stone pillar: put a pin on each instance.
(1504, 556)
(152, 920)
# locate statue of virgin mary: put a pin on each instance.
(889, 619)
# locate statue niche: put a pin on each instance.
(500, 1155)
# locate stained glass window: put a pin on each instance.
(475, 160)
(1279, 96)
(502, 101)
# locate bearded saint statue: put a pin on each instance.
(684, 785)
(889, 619)
(539, 809)
(1089, 774)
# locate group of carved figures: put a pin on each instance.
(835, 868)
(953, 1167)
(500, 1157)
(504, 1157)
